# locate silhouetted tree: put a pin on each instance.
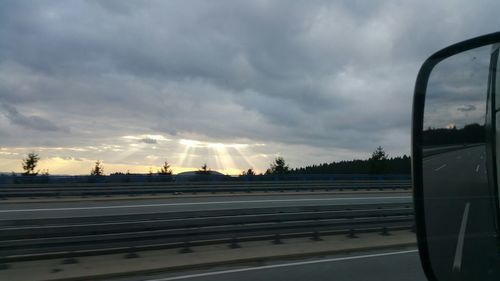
(470, 133)
(44, 176)
(98, 169)
(165, 170)
(397, 165)
(29, 164)
(249, 172)
(204, 170)
(378, 161)
(279, 166)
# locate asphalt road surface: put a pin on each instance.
(459, 216)
(372, 266)
(13, 211)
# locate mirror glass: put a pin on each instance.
(459, 189)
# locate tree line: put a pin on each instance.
(378, 163)
(470, 133)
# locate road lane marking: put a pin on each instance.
(203, 203)
(477, 168)
(281, 265)
(457, 262)
(440, 167)
(434, 157)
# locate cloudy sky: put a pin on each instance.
(229, 83)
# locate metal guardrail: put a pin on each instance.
(70, 237)
(16, 191)
(6, 179)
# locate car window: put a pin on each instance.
(247, 140)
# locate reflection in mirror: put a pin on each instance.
(458, 205)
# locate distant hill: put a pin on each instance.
(193, 173)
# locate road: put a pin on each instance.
(373, 266)
(341, 267)
(458, 213)
(13, 211)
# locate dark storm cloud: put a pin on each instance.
(320, 73)
(31, 122)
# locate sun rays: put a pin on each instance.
(142, 153)
(225, 157)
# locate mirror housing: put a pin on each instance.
(454, 165)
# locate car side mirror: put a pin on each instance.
(456, 136)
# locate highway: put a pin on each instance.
(117, 226)
(57, 227)
(16, 211)
(373, 266)
(459, 213)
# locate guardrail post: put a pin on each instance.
(385, 232)
(234, 244)
(315, 236)
(277, 239)
(4, 266)
(132, 254)
(186, 248)
(352, 234)
(69, 261)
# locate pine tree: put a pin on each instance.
(279, 166)
(165, 170)
(249, 172)
(98, 169)
(378, 161)
(204, 170)
(29, 164)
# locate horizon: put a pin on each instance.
(144, 170)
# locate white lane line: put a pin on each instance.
(204, 203)
(457, 262)
(477, 168)
(440, 167)
(434, 157)
(281, 265)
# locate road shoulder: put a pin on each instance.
(109, 266)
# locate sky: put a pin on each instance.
(233, 84)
